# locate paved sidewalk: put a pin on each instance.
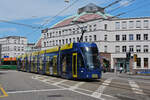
(124, 75)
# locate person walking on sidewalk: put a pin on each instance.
(121, 69)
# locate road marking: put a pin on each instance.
(101, 88)
(6, 71)
(71, 89)
(136, 89)
(56, 83)
(3, 92)
(31, 91)
(76, 86)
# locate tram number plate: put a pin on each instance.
(94, 76)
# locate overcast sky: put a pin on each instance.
(35, 12)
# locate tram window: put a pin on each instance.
(51, 62)
(80, 60)
(65, 61)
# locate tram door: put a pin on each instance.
(74, 65)
(35, 64)
(55, 65)
(47, 65)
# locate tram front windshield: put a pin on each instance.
(91, 56)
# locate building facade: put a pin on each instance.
(13, 46)
(113, 36)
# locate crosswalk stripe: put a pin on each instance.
(56, 83)
(76, 85)
(101, 88)
(136, 89)
(71, 88)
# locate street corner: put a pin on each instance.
(2, 92)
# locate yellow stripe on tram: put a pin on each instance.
(4, 94)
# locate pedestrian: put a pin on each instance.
(121, 69)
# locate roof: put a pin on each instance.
(86, 13)
(39, 44)
(14, 37)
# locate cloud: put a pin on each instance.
(8, 30)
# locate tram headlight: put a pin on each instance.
(81, 71)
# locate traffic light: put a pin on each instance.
(135, 57)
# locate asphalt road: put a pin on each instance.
(16, 85)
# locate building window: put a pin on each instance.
(138, 36)
(138, 62)
(117, 25)
(15, 41)
(138, 24)
(14, 48)
(124, 25)
(105, 48)
(124, 37)
(18, 48)
(45, 35)
(86, 38)
(145, 36)
(78, 39)
(74, 40)
(56, 42)
(130, 37)
(63, 41)
(90, 27)
(47, 44)
(94, 27)
(131, 48)
(145, 24)
(117, 48)
(124, 48)
(105, 37)
(90, 38)
(131, 24)
(145, 62)
(105, 26)
(22, 48)
(95, 38)
(117, 37)
(70, 40)
(44, 44)
(145, 48)
(66, 41)
(22, 41)
(138, 48)
(59, 42)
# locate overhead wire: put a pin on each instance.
(123, 5)
(47, 21)
(16, 23)
(137, 8)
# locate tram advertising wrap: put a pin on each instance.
(70, 61)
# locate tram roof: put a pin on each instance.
(55, 49)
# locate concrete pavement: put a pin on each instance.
(30, 86)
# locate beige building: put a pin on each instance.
(13, 46)
(114, 36)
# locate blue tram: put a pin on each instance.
(71, 61)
